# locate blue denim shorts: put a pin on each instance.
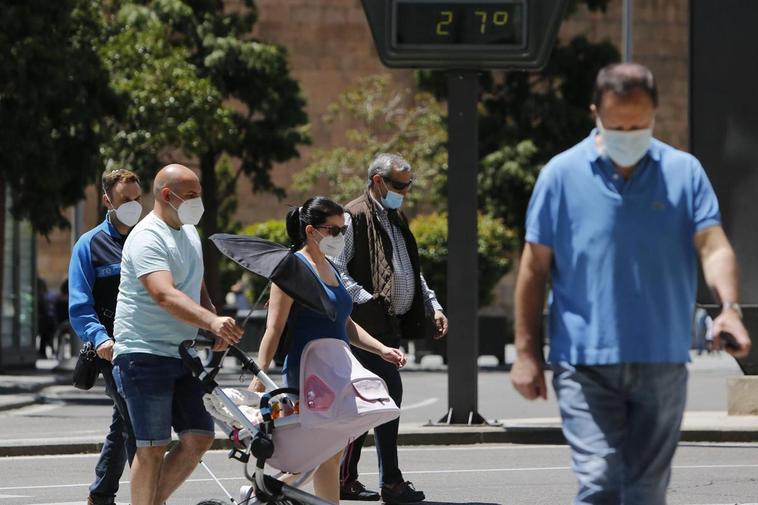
(160, 393)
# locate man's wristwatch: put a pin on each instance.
(734, 306)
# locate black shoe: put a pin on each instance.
(91, 500)
(354, 490)
(401, 493)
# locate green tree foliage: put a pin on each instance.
(198, 85)
(169, 107)
(506, 178)
(496, 245)
(381, 118)
(54, 96)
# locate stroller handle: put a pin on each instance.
(196, 367)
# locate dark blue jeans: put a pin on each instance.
(622, 423)
(118, 447)
(385, 436)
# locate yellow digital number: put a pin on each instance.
(483, 15)
(500, 18)
(442, 25)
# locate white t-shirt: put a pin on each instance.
(141, 325)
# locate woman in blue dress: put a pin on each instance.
(317, 230)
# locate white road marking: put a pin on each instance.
(32, 409)
(56, 434)
(7, 496)
(480, 447)
(418, 405)
(412, 472)
(119, 503)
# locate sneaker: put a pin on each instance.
(354, 490)
(401, 493)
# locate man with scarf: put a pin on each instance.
(380, 269)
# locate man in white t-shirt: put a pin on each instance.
(162, 301)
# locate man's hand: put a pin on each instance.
(528, 377)
(727, 322)
(440, 322)
(105, 350)
(394, 356)
(226, 328)
(219, 345)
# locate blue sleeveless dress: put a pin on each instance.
(305, 324)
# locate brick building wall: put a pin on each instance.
(330, 45)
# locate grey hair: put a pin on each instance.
(384, 163)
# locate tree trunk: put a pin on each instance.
(209, 223)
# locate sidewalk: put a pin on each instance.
(21, 389)
(703, 421)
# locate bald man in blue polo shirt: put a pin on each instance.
(617, 224)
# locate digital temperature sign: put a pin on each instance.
(460, 34)
(491, 24)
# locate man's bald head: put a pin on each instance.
(174, 184)
(174, 177)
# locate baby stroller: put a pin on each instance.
(292, 430)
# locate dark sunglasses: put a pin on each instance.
(334, 231)
(398, 185)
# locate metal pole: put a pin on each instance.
(627, 19)
(462, 282)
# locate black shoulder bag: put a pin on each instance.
(86, 370)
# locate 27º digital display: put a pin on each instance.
(484, 23)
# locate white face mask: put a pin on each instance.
(625, 148)
(127, 213)
(189, 211)
(332, 246)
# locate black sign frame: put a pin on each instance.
(542, 19)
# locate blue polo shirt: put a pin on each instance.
(624, 271)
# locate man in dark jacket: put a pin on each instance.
(94, 274)
(380, 269)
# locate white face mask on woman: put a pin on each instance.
(331, 245)
(189, 211)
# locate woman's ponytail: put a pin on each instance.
(295, 228)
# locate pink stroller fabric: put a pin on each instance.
(339, 401)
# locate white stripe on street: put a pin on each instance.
(423, 403)
(30, 410)
(479, 447)
(412, 472)
(56, 434)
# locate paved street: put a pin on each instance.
(75, 415)
(705, 474)
(472, 475)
